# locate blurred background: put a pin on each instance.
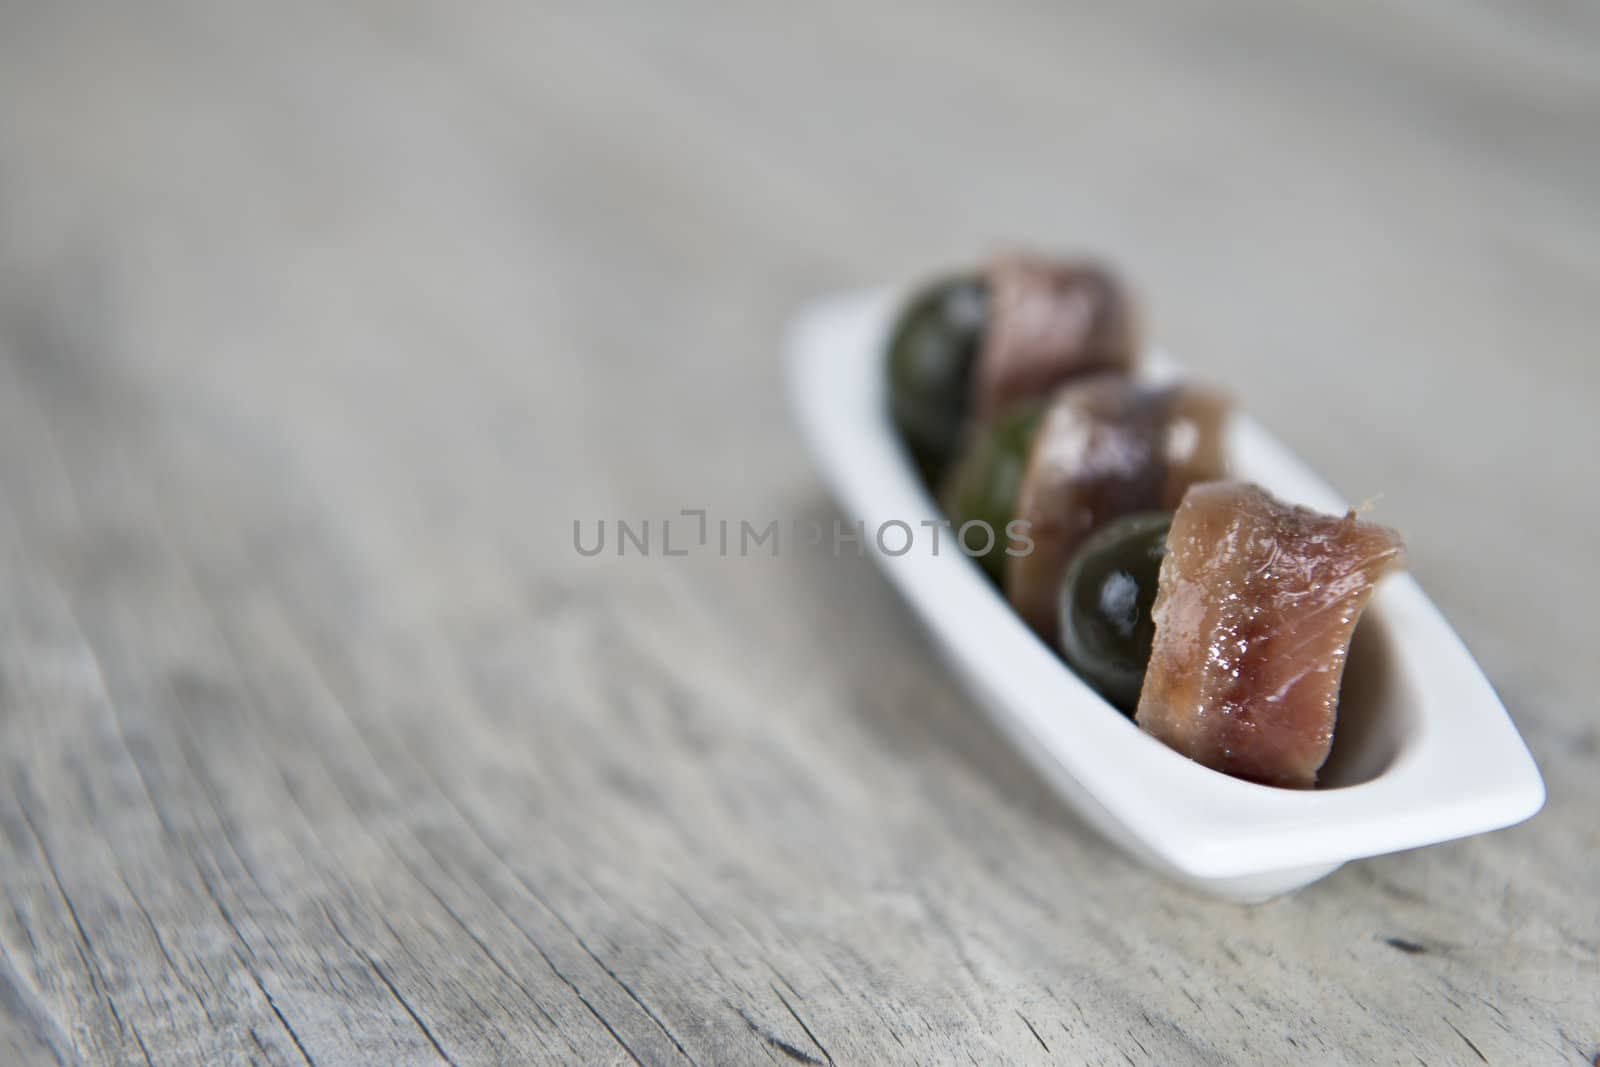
(1376, 223)
(329, 319)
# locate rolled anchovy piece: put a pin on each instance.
(1048, 322)
(1257, 603)
(1105, 448)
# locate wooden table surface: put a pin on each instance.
(320, 325)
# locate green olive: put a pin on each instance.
(984, 486)
(1106, 597)
(931, 356)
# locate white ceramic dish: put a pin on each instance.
(1424, 750)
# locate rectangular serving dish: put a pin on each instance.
(1424, 751)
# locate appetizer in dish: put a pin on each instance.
(1098, 449)
(1107, 448)
(1217, 616)
(968, 349)
(1257, 604)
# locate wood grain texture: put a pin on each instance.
(321, 324)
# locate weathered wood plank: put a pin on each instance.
(320, 325)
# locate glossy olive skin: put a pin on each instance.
(931, 356)
(1106, 597)
(985, 485)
